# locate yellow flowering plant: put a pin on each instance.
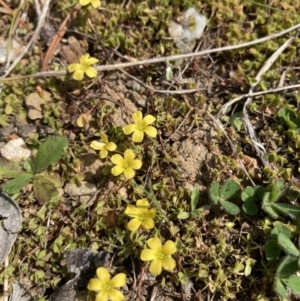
(105, 146)
(126, 165)
(141, 215)
(106, 287)
(140, 127)
(95, 3)
(160, 255)
(84, 67)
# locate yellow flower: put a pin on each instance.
(105, 287)
(141, 215)
(160, 255)
(125, 165)
(95, 3)
(140, 127)
(104, 146)
(84, 67)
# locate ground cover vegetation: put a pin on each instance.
(170, 180)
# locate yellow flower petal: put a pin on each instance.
(84, 57)
(103, 275)
(151, 131)
(103, 153)
(148, 120)
(129, 173)
(134, 224)
(128, 129)
(97, 145)
(118, 281)
(129, 155)
(111, 146)
(96, 3)
(155, 267)
(91, 61)
(117, 170)
(91, 72)
(94, 285)
(155, 244)
(115, 295)
(132, 211)
(169, 248)
(136, 164)
(148, 223)
(84, 2)
(117, 159)
(73, 67)
(148, 255)
(138, 136)
(151, 213)
(78, 75)
(137, 117)
(142, 203)
(82, 120)
(168, 264)
(103, 137)
(102, 296)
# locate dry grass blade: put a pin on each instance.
(259, 148)
(164, 59)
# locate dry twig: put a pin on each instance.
(164, 59)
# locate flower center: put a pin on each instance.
(142, 217)
(160, 255)
(140, 128)
(107, 287)
(125, 165)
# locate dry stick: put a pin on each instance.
(59, 35)
(33, 38)
(135, 78)
(12, 13)
(220, 126)
(271, 91)
(162, 59)
(259, 148)
(161, 91)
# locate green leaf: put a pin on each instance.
(276, 191)
(250, 207)
(293, 283)
(229, 189)
(44, 189)
(292, 211)
(50, 151)
(281, 229)
(287, 267)
(287, 245)
(267, 207)
(9, 169)
(280, 289)
(272, 250)
(183, 215)
(235, 121)
(230, 207)
(253, 193)
(194, 198)
(16, 184)
(195, 213)
(214, 192)
(248, 194)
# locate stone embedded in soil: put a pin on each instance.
(16, 150)
(34, 103)
(191, 157)
(86, 189)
